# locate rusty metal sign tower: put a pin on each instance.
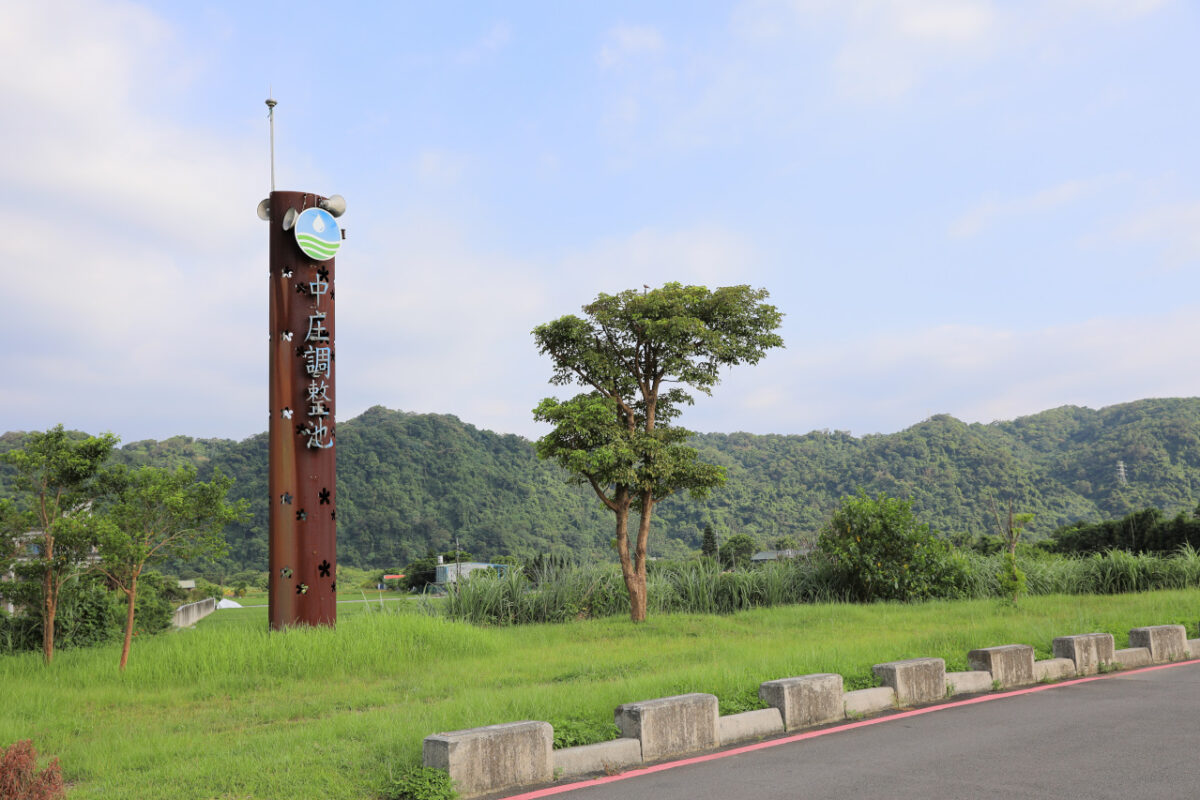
(302, 476)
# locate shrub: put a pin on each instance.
(420, 783)
(1012, 579)
(885, 554)
(20, 778)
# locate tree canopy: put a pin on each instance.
(157, 514)
(56, 481)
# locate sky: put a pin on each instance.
(985, 209)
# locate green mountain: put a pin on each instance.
(409, 483)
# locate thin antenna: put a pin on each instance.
(271, 116)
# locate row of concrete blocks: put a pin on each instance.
(496, 757)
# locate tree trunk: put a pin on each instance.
(49, 612)
(629, 570)
(49, 597)
(638, 601)
(131, 593)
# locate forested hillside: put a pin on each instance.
(408, 483)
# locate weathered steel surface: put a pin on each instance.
(302, 472)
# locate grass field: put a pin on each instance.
(229, 710)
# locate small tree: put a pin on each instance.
(636, 352)
(737, 551)
(885, 553)
(708, 543)
(57, 476)
(1012, 579)
(156, 515)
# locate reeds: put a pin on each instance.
(700, 587)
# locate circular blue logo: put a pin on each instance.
(318, 234)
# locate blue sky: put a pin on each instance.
(977, 208)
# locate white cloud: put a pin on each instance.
(991, 212)
(141, 262)
(1173, 228)
(440, 167)
(496, 39)
(890, 381)
(625, 42)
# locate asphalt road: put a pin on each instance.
(1128, 736)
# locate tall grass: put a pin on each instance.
(228, 710)
(699, 587)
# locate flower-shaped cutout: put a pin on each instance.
(287, 336)
(300, 515)
(285, 499)
(324, 568)
(333, 515)
(301, 288)
(287, 273)
(302, 589)
(324, 497)
(333, 587)
(285, 573)
(323, 274)
(286, 413)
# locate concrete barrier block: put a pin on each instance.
(968, 682)
(917, 680)
(1055, 669)
(1132, 657)
(188, 615)
(869, 701)
(1194, 647)
(604, 757)
(1088, 651)
(671, 725)
(482, 760)
(1010, 664)
(1165, 642)
(750, 725)
(806, 700)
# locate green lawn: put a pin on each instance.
(229, 710)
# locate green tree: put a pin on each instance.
(636, 352)
(157, 515)
(708, 544)
(1012, 579)
(737, 551)
(885, 553)
(57, 477)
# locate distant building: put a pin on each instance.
(449, 573)
(29, 547)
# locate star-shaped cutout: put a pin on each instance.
(300, 515)
(285, 499)
(323, 568)
(324, 496)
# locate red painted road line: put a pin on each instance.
(916, 712)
